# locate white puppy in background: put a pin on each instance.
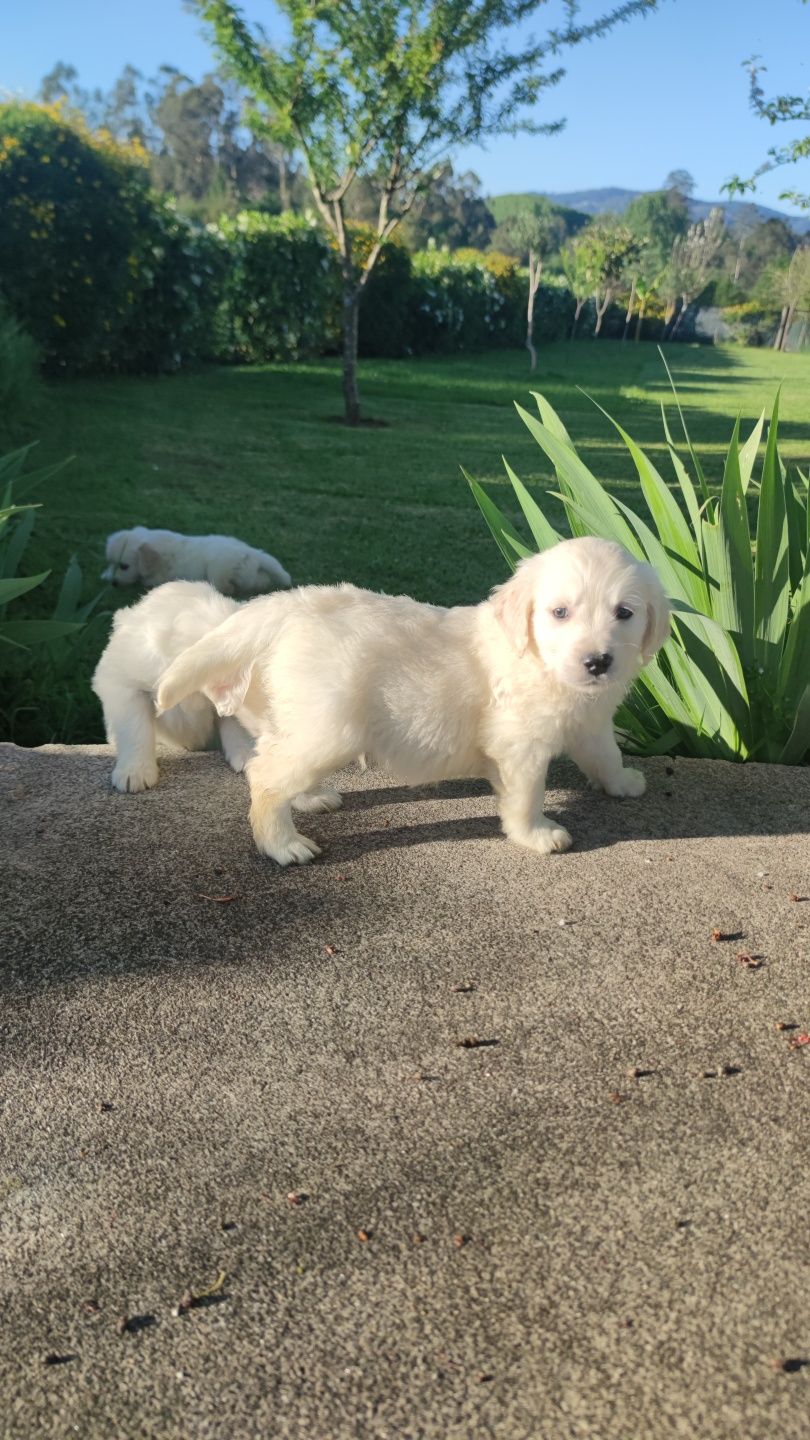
(145, 638)
(151, 557)
(493, 690)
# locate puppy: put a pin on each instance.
(492, 690)
(145, 638)
(151, 557)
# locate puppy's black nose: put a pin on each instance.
(598, 664)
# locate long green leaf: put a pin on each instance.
(592, 502)
(748, 453)
(794, 668)
(771, 570)
(503, 532)
(727, 550)
(36, 632)
(673, 530)
(544, 535)
(11, 588)
(797, 746)
(14, 548)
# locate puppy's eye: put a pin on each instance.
(122, 567)
(622, 613)
(560, 612)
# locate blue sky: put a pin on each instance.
(665, 92)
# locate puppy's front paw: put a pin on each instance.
(544, 839)
(313, 802)
(294, 850)
(129, 778)
(627, 782)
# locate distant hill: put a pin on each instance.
(613, 197)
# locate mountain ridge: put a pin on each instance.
(616, 198)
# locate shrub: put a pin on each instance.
(466, 301)
(38, 656)
(733, 681)
(279, 291)
(101, 271)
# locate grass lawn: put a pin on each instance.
(252, 452)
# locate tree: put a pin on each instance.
(692, 257)
(578, 278)
(786, 284)
(605, 251)
(384, 90)
(779, 110)
(681, 182)
(532, 238)
(657, 218)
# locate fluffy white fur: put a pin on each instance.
(145, 638)
(151, 557)
(321, 675)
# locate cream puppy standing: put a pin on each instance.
(145, 638)
(151, 557)
(494, 690)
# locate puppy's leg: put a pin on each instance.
(311, 802)
(277, 774)
(521, 788)
(237, 745)
(599, 757)
(129, 717)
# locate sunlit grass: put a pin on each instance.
(253, 452)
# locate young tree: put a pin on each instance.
(607, 250)
(692, 257)
(532, 237)
(577, 271)
(386, 90)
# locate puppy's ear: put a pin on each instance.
(148, 560)
(227, 695)
(514, 607)
(657, 631)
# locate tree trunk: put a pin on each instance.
(577, 314)
(601, 310)
(535, 271)
(679, 317)
(642, 307)
(777, 344)
(351, 318)
(791, 316)
(628, 317)
(802, 334)
(283, 187)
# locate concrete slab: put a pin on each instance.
(602, 1254)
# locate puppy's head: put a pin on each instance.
(591, 613)
(132, 559)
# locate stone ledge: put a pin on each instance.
(177, 1064)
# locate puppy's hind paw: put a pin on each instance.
(129, 779)
(312, 802)
(627, 783)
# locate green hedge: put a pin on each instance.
(101, 272)
(279, 295)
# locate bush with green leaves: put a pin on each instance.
(733, 680)
(280, 287)
(38, 655)
(466, 301)
(101, 272)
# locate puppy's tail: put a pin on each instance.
(218, 665)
